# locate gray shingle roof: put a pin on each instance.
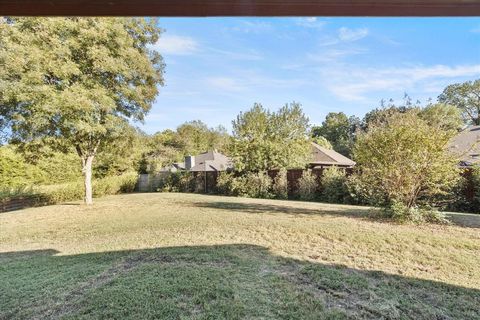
(324, 156)
(211, 161)
(466, 145)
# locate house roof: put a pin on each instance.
(466, 145)
(323, 156)
(211, 161)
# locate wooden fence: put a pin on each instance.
(20, 202)
(153, 182)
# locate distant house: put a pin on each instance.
(466, 145)
(204, 162)
(214, 161)
(323, 157)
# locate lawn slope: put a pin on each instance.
(186, 256)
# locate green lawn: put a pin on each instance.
(186, 256)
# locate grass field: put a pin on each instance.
(185, 256)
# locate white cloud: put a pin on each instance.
(246, 54)
(253, 26)
(348, 35)
(251, 80)
(334, 54)
(310, 22)
(344, 35)
(475, 30)
(176, 45)
(355, 84)
(225, 83)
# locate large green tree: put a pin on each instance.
(76, 82)
(466, 97)
(195, 137)
(264, 140)
(339, 130)
(444, 116)
(404, 161)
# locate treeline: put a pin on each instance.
(401, 152)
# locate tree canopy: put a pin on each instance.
(264, 140)
(403, 161)
(339, 130)
(77, 81)
(465, 96)
(190, 138)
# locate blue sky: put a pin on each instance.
(217, 67)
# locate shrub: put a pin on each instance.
(15, 172)
(74, 190)
(476, 188)
(401, 213)
(114, 185)
(470, 183)
(253, 185)
(227, 184)
(307, 186)
(256, 185)
(404, 160)
(280, 185)
(334, 186)
(183, 181)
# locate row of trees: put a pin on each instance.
(76, 85)
(341, 131)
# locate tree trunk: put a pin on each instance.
(87, 174)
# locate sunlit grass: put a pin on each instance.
(195, 256)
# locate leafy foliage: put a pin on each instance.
(322, 141)
(257, 185)
(334, 186)
(264, 140)
(280, 184)
(190, 138)
(466, 97)
(76, 82)
(251, 184)
(338, 130)
(228, 184)
(307, 186)
(71, 191)
(14, 171)
(404, 161)
(400, 212)
(178, 182)
(444, 116)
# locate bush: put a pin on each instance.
(227, 184)
(253, 185)
(280, 185)
(334, 186)
(256, 185)
(401, 213)
(469, 183)
(405, 160)
(180, 182)
(75, 190)
(307, 186)
(476, 188)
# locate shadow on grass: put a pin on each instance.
(215, 282)
(367, 213)
(470, 220)
(357, 212)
